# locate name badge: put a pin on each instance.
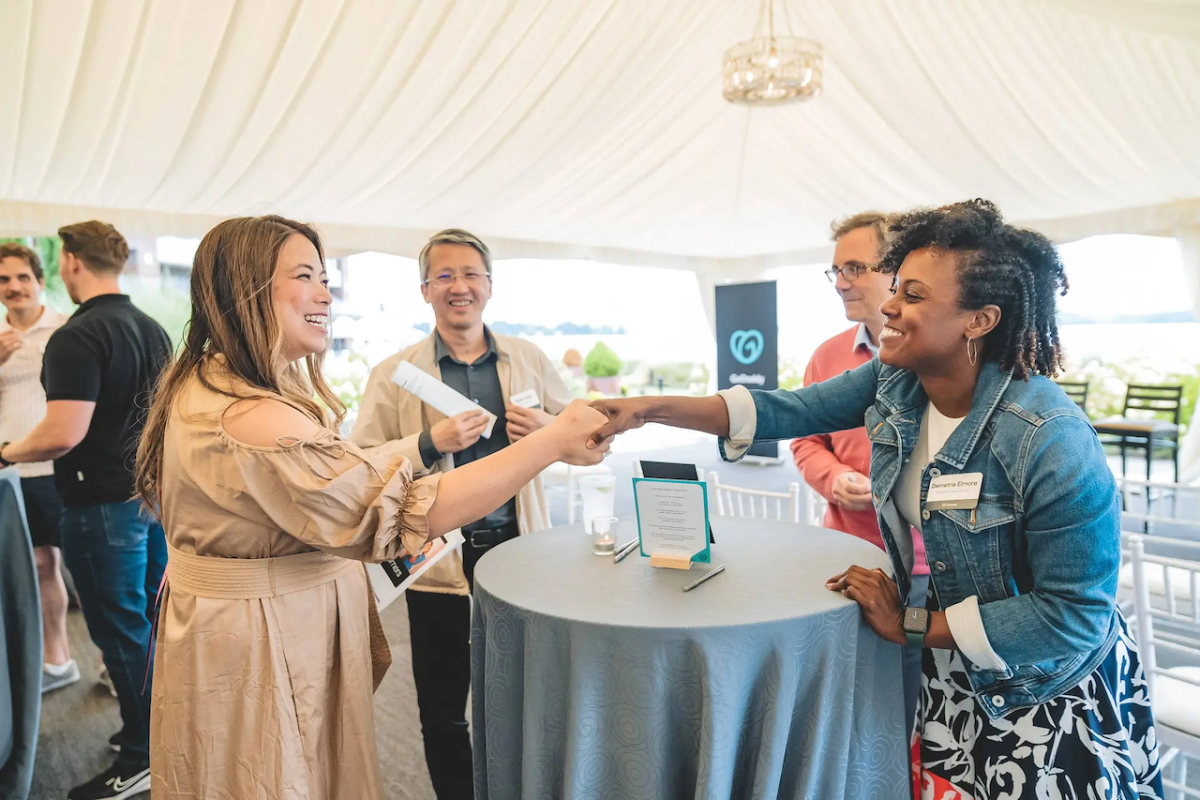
(954, 491)
(526, 399)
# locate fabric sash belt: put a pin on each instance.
(252, 578)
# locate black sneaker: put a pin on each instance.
(114, 742)
(117, 783)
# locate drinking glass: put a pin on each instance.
(599, 493)
(604, 535)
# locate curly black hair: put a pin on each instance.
(1016, 269)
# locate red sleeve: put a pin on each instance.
(814, 454)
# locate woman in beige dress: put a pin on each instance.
(264, 663)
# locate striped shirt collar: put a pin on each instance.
(863, 338)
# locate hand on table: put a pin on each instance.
(576, 430)
(457, 433)
(10, 342)
(877, 596)
(852, 491)
(524, 421)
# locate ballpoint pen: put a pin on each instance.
(704, 577)
(624, 550)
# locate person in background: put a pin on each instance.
(99, 370)
(836, 464)
(493, 371)
(24, 332)
(1031, 683)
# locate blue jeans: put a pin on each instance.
(117, 555)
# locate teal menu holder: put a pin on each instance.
(703, 556)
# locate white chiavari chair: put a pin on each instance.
(735, 501)
(1168, 630)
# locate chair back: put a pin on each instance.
(1168, 626)
(1077, 391)
(734, 501)
(815, 507)
(1170, 513)
(1162, 402)
(1163, 508)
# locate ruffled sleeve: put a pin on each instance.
(330, 494)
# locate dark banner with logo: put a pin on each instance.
(748, 342)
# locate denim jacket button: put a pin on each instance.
(935, 473)
(977, 668)
(997, 701)
(939, 567)
(924, 514)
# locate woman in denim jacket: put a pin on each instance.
(1032, 686)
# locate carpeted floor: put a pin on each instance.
(77, 721)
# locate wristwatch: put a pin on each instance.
(4, 463)
(915, 624)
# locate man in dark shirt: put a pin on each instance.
(513, 380)
(99, 370)
(480, 381)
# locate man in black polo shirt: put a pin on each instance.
(99, 370)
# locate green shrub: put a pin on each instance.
(1108, 381)
(602, 362)
(791, 373)
(347, 373)
(168, 307)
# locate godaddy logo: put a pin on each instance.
(746, 346)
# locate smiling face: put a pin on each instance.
(301, 298)
(457, 285)
(862, 296)
(924, 329)
(20, 290)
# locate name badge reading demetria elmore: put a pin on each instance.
(954, 491)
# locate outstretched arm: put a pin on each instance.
(705, 414)
(743, 416)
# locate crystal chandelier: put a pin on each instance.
(771, 70)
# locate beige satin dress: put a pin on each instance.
(263, 671)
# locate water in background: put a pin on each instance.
(1167, 346)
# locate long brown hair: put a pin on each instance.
(233, 314)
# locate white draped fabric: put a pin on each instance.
(595, 128)
(592, 128)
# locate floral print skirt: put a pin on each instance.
(1093, 742)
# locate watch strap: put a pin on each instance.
(916, 638)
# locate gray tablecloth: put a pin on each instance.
(599, 680)
(20, 644)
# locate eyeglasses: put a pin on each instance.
(446, 279)
(851, 272)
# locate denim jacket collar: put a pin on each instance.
(901, 392)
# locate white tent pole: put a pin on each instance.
(1189, 245)
(707, 283)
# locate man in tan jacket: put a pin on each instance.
(491, 370)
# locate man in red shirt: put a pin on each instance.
(836, 465)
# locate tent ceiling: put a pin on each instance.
(592, 128)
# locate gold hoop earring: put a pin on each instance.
(972, 352)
